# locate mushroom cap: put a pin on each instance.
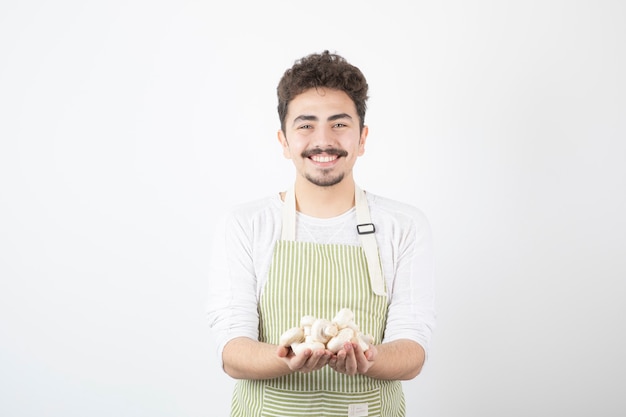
(343, 318)
(290, 336)
(307, 320)
(363, 340)
(336, 343)
(298, 348)
(323, 329)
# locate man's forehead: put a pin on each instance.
(330, 104)
(313, 117)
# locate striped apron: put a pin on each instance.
(319, 279)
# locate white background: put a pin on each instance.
(125, 126)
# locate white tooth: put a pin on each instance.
(323, 158)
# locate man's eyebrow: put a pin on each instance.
(305, 118)
(312, 118)
(339, 116)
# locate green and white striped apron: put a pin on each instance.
(319, 279)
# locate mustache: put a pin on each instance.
(328, 151)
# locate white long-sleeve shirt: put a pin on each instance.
(243, 248)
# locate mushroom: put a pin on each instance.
(298, 348)
(291, 336)
(306, 322)
(336, 343)
(323, 329)
(319, 333)
(343, 318)
(363, 340)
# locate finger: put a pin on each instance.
(350, 362)
(370, 354)
(316, 360)
(316, 357)
(362, 362)
(282, 351)
(322, 360)
(340, 361)
(299, 362)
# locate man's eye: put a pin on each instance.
(305, 127)
(340, 125)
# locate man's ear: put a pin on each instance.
(362, 140)
(282, 139)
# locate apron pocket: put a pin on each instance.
(284, 403)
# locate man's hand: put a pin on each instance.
(351, 360)
(305, 362)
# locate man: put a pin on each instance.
(320, 246)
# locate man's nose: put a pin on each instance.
(324, 137)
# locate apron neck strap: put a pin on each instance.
(365, 229)
(289, 216)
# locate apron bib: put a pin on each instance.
(318, 279)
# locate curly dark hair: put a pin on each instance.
(325, 70)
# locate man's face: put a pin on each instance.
(322, 136)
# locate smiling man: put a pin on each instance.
(321, 246)
(325, 137)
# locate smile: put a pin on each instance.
(323, 158)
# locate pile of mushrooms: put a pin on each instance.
(319, 333)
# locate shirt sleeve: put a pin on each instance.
(232, 300)
(412, 301)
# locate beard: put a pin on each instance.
(325, 179)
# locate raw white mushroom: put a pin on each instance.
(343, 318)
(319, 333)
(336, 343)
(298, 348)
(291, 336)
(306, 323)
(363, 340)
(323, 329)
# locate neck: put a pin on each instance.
(324, 202)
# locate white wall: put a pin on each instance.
(126, 125)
